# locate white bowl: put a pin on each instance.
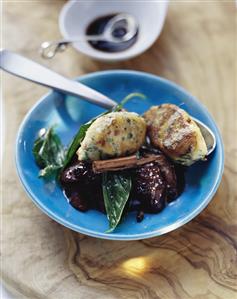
(77, 15)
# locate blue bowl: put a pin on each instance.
(68, 113)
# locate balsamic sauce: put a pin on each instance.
(97, 27)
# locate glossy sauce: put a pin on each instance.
(97, 27)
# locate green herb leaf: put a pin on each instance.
(49, 153)
(76, 142)
(116, 190)
(50, 171)
(36, 149)
(128, 98)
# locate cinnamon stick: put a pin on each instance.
(121, 163)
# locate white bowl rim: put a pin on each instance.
(106, 56)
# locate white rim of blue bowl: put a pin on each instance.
(111, 236)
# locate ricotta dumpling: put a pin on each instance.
(172, 130)
(115, 134)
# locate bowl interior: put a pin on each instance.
(77, 15)
(68, 113)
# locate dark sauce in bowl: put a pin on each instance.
(97, 27)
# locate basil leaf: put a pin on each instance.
(76, 142)
(50, 171)
(49, 153)
(128, 98)
(36, 149)
(116, 190)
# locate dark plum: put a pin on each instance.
(78, 202)
(154, 185)
(82, 186)
(150, 187)
(169, 171)
(78, 171)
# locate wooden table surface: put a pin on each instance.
(41, 259)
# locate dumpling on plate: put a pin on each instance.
(115, 134)
(173, 131)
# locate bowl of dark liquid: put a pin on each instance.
(90, 18)
(97, 27)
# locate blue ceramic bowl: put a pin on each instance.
(68, 113)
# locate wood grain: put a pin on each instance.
(41, 259)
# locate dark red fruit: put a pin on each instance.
(76, 172)
(78, 202)
(168, 171)
(150, 187)
(154, 185)
(82, 186)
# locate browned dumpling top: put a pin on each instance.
(172, 130)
